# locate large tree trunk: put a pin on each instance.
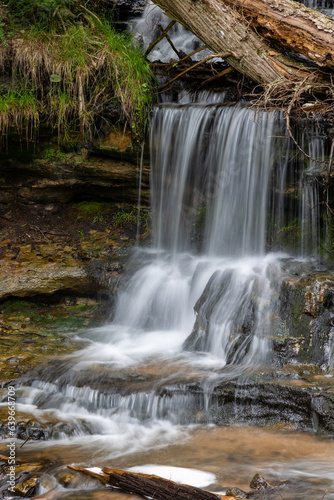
(251, 31)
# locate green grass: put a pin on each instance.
(38, 12)
(71, 71)
(21, 108)
(126, 218)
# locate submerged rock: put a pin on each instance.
(27, 488)
(236, 492)
(259, 483)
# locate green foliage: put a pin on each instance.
(91, 209)
(22, 108)
(36, 12)
(126, 218)
(123, 218)
(53, 154)
(73, 65)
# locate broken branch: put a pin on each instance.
(194, 66)
(153, 44)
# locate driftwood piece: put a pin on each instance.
(155, 487)
(146, 485)
(155, 42)
(187, 70)
(170, 42)
(101, 476)
(188, 56)
(219, 75)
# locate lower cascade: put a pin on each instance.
(205, 323)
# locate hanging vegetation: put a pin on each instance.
(67, 69)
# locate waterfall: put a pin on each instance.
(217, 159)
(202, 302)
(325, 6)
(215, 173)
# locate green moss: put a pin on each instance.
(91, 209)
(80, 308)
(17, 305)
(53, 154)
(328, 247)
(200, 219)
(286, 236)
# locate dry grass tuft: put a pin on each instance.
(72, 77)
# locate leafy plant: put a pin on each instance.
(37, 12)
(123, 218)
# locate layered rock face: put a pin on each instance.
(66, 216)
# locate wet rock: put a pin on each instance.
(67, 479)
(212, 294)
(261, 404)
(128, 8)
(236, 492)
(32, 275)
(55, 268)
(301, 317)
(306, 313)
(35, 432)
(27, 488)
(323, 407)
(259, 483)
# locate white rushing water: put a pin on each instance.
(325, 6)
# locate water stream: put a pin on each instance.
(140, 391)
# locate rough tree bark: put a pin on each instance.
(255, 32)
(147, 485)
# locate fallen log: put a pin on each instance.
(155, 486)
(146, 485)
(248, 28)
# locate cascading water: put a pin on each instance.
(325, 6)
(217, 155)
(216, 172)
(211, 174)
(146, 29)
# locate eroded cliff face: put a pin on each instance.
(68, 214)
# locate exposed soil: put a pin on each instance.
(68, 224)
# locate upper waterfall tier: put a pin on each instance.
(226, 173)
